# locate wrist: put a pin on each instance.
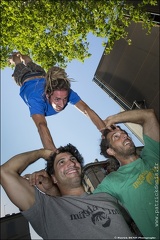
(45, 153)
(41, 153)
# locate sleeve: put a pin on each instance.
(32, 93)
(106, 186)
(36, 106)
(73, 97)
(35, 215)
(151, 150)
(151, 144)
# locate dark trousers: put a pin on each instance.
(23, 72)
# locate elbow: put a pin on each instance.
(83, 107)
(148, 116)
(2, 171)
(3, 174)
(151, 112)
(86, 112)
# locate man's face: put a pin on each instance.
(121, 143)
(59, 99)
(67, 169)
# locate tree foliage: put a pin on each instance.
(55, 31)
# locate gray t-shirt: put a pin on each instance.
(94, 216)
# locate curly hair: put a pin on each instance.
(56, 79)
(105, 143)
(68, 148)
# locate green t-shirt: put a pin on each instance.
(135, 185)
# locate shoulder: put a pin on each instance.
(150, 143)
(73, 97)
(33, 88)
(151, 147)
(72, 92)
(149, 140)
(105, 185)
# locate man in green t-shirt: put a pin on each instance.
(135, 183)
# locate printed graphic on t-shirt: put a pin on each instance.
(98, 215)
(146, 176)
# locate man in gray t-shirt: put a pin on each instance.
(73, 215)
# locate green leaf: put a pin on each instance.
(55, 31)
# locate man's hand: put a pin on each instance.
(110, 123)
(144, 117)
(43, 182)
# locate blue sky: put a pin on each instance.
(19, 134)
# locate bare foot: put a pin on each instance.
(14, 59)
(24, 58)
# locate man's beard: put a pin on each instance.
(125, 153)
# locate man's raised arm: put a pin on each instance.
(44, 132)
(84, 108)
(18, 189)
(145, 117)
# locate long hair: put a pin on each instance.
(56, 79)
(68, 148)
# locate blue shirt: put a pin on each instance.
(32, 93)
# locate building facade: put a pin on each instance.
(130, 73)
